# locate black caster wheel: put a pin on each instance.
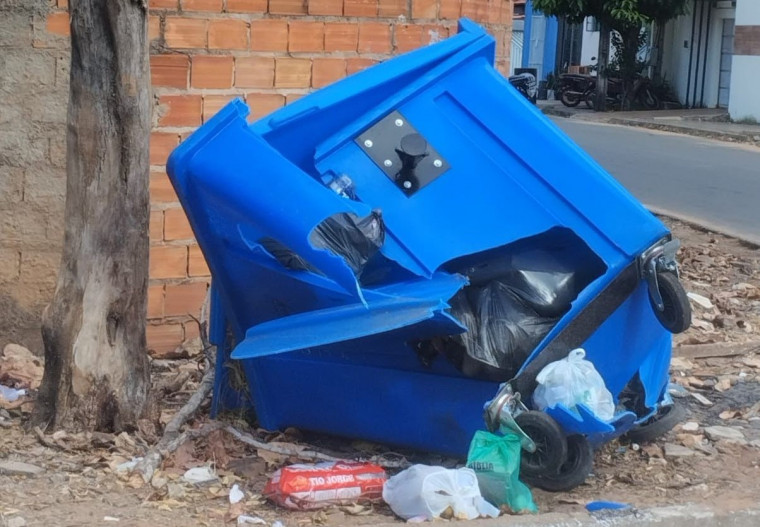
(675, 316)
(573, 472)
(658, 425)
(551, 447)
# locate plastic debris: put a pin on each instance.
(573, 381)
(250, 520)
(606, 505)
(236, 494)
(11, 394)
(700, 300)
(496, 461)
(424, 491)
(197, 475)
(307, 487)
(128, 466)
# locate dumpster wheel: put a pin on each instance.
(658, 425)
(551, 447)
(573, 472)
(675, 316)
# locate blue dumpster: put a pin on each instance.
(341, 229)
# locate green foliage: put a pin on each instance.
(616, 14)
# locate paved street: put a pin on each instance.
(712, 183)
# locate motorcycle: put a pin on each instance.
(526, 84)
(643, 94)
(573, 88)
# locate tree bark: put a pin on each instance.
(603, 60)
(97, 373)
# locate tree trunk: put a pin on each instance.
(96, 369)
(603, 60)
(629, 64)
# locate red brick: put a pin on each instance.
(196, 263)
(247, 6)
(432, 33)
(325, 7)
(358, 64)
(163, 4)
(475, 9)
(507, 11)
(202, 5)
(161, 189)
(63, 4)
(176, 226)
(164, 338)
(293, 97)
(269, 35)
(292, 73)
(360, 7)
(374, 37)
(179, 110)
(156, 228)
(154, 27)
(306, 36)
(156, 301)
(327, 71)
(161, 145)
(169, 70)
(184, 299)
(451, 9)
(58, 23)
(493, 11)
(168, 261)
(211, 72)
(181, 32)
(341, 36)
(425, 8)
(287, 7)
(408, 37)
(263, 104)
(214, 103)
(392, 8)
(191, 328)
(228, 34)
(254, 72)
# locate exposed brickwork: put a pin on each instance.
(747, 40)
(204, 53)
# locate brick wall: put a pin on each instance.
(207, 52)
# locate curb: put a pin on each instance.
(671, 516)
(728, 137)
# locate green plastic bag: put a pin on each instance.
(496, 461)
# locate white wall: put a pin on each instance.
(745, 100)
(745, 70)
(589, 46)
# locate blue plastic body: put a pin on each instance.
(325, 352)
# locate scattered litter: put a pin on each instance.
(496, 462)
(307, 487)
(198, 475)
(251, 520)
(701, 399)
(110, 519)
(236, 494)
(277, 523)
(606, 505)
(676, 390)
(11, 394)
(127, 466)
(573, 381)
(19, 368)
(424, 491)
(700, 300)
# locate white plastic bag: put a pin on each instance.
(573, 381)
(425, 492)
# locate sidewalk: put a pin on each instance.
(703, 122)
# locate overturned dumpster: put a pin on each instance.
(392, 250)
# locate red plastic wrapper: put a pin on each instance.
(306, 487)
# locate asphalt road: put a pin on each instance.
(711, 183)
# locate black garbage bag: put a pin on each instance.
(542, 281)
(355, 239)
(502, 330)
(285, 256)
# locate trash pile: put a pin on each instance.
(20, 374)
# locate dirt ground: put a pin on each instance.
(716, 364)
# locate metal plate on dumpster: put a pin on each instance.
(402, 153)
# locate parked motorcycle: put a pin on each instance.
(573, 88)
(643, 94)
(526, 84)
